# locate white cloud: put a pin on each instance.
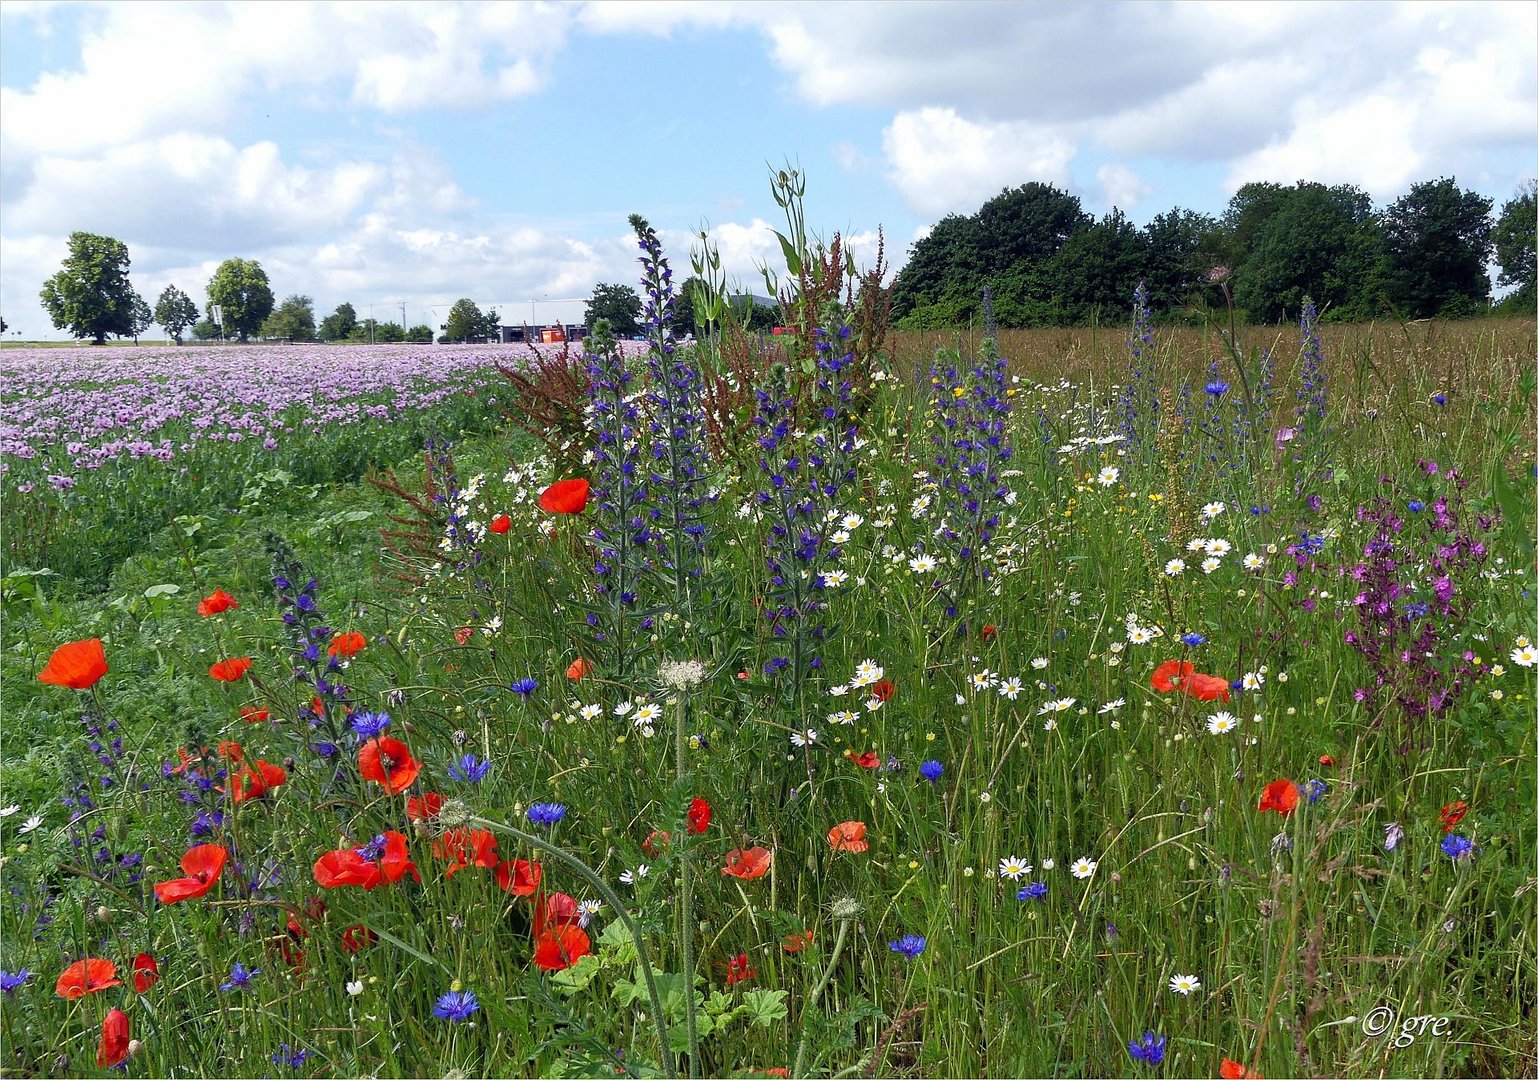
(1120, 186)
(942, 162)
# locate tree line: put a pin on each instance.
(1050, 263)
(92, 297)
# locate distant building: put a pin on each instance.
(542, 334)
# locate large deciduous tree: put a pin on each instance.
(338, 326)
(1307, 240)
(90, 296)
(175, 311)
(294, 320)
(1513, 237)
(467, 323)
(620, 304)
(1436, 242)
(241, 289)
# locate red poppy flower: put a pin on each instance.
(396, 863)
(86, 977)
(848, 836)
(252, 715)
(990, 632)
(424, 809)
(554, 910)
(76, 666)
(1206, 687)
(113, 1048)
(146, 972)
(579, 669)
(466, 847)
(737, 970)
(1453, 813)
(256, 781)
(501, 523)
(559, 947)
(518, 876)
(1232, 1070)
(347, 645)
(356, 938)
(388, 762)
(216, 604)
(656, 840)
(747, 863)
(231, 670)
(202, 865)
(463, 634)
(345, 866)
(564, 497)
(699, 816)
(794, 943)
(1326, 760)
(868, 760)
(1168, 675)
(882, 689)
(1281, 796)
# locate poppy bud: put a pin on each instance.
(104, 914)
(1326, 760)
(288, 763)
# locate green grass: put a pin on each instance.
(1297, 927)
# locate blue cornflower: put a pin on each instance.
(910, 945)
(931, 770)
(1217, 388)
(292, 1058)
(1417, 609)
(1314, 789)
(370, 725)
(1457, 846)
(1415, 506)
(1193, 639)
(10, 982)
(1033, 890)
(470, 769)
(1149, 1048)
(525, 687)
(374, 850)
(1440, 399)
(456, 1006)
(240, 977)
(546, 813)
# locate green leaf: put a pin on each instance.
(765, 1007)
(576, 978)
(792, 260)
(156, 591)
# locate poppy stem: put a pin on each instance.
(643, 958)
(822, 984)
(686, 890)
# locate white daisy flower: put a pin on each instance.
(647, 714)
(1196, 543)
(1011, 688)
(867, 672)
(1112, 706)
(1218, 547)
(983, 680)
(31, 823)
(1139, 636)
(803, 738)
(586, 909)
(922, 564)
(354, 987)
(1013, 868)
(1185, 984)
(844, 717)
(838, 691)
(630, 877)
(851, 522)
(623, 708)
(1082, 867)
(591, 712)
(1038, 663)
(7, 811)
(1212, 510)
(1174, 567)
(1109, 475)
(1222, 723)
(832, 579)
(1524, 655)
(1253, 561)
(1060, 705)
(1253, 680)
(1210, 564)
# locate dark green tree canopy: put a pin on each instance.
(467, 323)
(1514, 239)
(175, 311)
(620, 304)
(1307, 240)
(1436, 243)
(338, 326)
(90, 296)
(294, 320)
(240, 287)
(422, 334)
(143, 317)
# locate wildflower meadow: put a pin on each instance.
(1143, 701)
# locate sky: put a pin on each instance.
(411, 154)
